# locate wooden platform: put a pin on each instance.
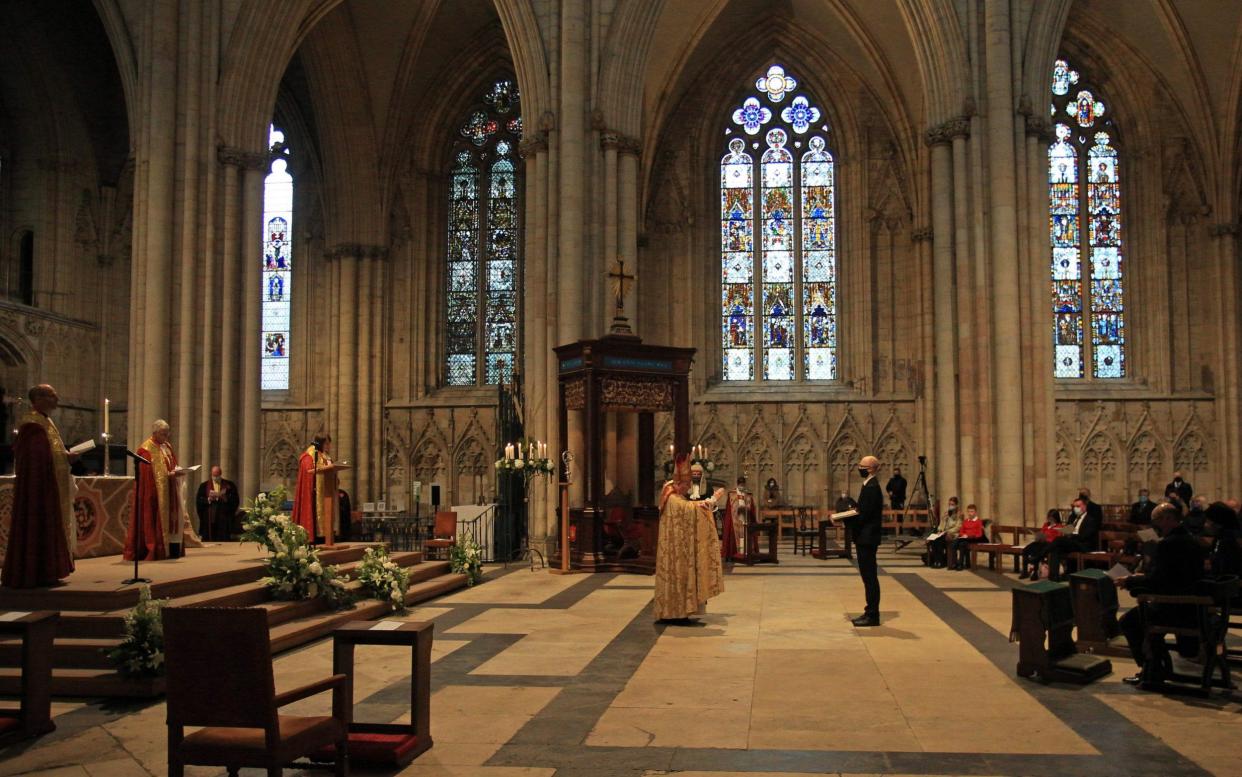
(93, 603)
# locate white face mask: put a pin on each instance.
(1077, 511)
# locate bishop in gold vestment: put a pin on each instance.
(688, 566)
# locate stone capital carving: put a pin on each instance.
(240, 158)
(920, 234)
(530, 146)
(1039, 126)
(628, 145)
(356, 251)
(609, 140)
(1224, 229)
(946, 132)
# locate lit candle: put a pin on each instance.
(670, 450)
(107, 403)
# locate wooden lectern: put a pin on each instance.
(1043, 624)
(619, 373)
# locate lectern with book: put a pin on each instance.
(1043, 624)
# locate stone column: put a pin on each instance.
(570, 324)
(344, 436)
(1225, 237)
(186, 421)
(1006, 334)
(159, 166)
(361, 452)
(943, 313)
(959, 130)
(627, 219)
(608, 142)
(1038, 135)
(252, 322)
(539, 394)
(230, 315)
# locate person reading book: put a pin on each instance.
(938, 542)
(970, 533)
(1034, 552)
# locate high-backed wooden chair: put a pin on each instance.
(443, 534)
(806, 530)
(219, 665)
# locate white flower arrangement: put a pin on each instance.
(466, 558)
(299, 574)
(382, 578)
(141, 653)
(264, 523)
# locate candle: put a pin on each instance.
(670, 450)
(107, 402)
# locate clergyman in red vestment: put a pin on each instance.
(43, 533)
(158, 504)
(315, 504)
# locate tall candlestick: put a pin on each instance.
(107, 404)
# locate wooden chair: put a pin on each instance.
(444, 534)
(219, 663)
(1211, 603)
(805, 530)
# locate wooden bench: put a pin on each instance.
(997, 548)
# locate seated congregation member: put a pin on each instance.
(1196, 516)
(1225, 556)
(1083, 537)
(1140, 511)
(1036, 550)
(970, 533)
(1175, 567)
(938, 549)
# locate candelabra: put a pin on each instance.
(527, 459)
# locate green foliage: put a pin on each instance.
(382, 578)
(294, 571)
(466, 558)
(262, 523)
(141, 653)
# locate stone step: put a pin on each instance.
(81, 669)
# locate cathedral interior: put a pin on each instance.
(998, 234)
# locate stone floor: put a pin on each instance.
(539, 674)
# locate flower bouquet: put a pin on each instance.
(466, 558)
(141, 653)
(263, 521)
(294, 571)
(382, 578)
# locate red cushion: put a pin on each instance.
(381, 749)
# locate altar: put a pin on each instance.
(619, 374)
(101, 510)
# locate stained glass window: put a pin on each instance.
(277, 265)
(1087, 260)
(484, 247)
(779, 186)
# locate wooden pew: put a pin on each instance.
(998, 547)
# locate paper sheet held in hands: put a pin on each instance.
(934, 536)
(1147, 535)
(1118, 571)
(83, 447)
(844, 515)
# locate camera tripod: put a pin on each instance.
(901, 540)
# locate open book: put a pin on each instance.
(83, 447)
(1118, 571)
(195, 468)
(1147, 535)
(934, 536)
(844, 515)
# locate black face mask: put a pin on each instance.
(863, 473)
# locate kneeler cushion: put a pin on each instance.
(381, 749)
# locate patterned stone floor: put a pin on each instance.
(540, 674)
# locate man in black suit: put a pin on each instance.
(896, 488)
(217, 501)
(1180, 488)
(1140, 511)
(1175, 567)
(866, 529)
(1084, 537)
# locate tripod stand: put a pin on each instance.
(920, 486)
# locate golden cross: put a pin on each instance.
(619, 283)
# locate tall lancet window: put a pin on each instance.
(1084, 186)
(778, 237)
(484, 247)
(277, 264)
